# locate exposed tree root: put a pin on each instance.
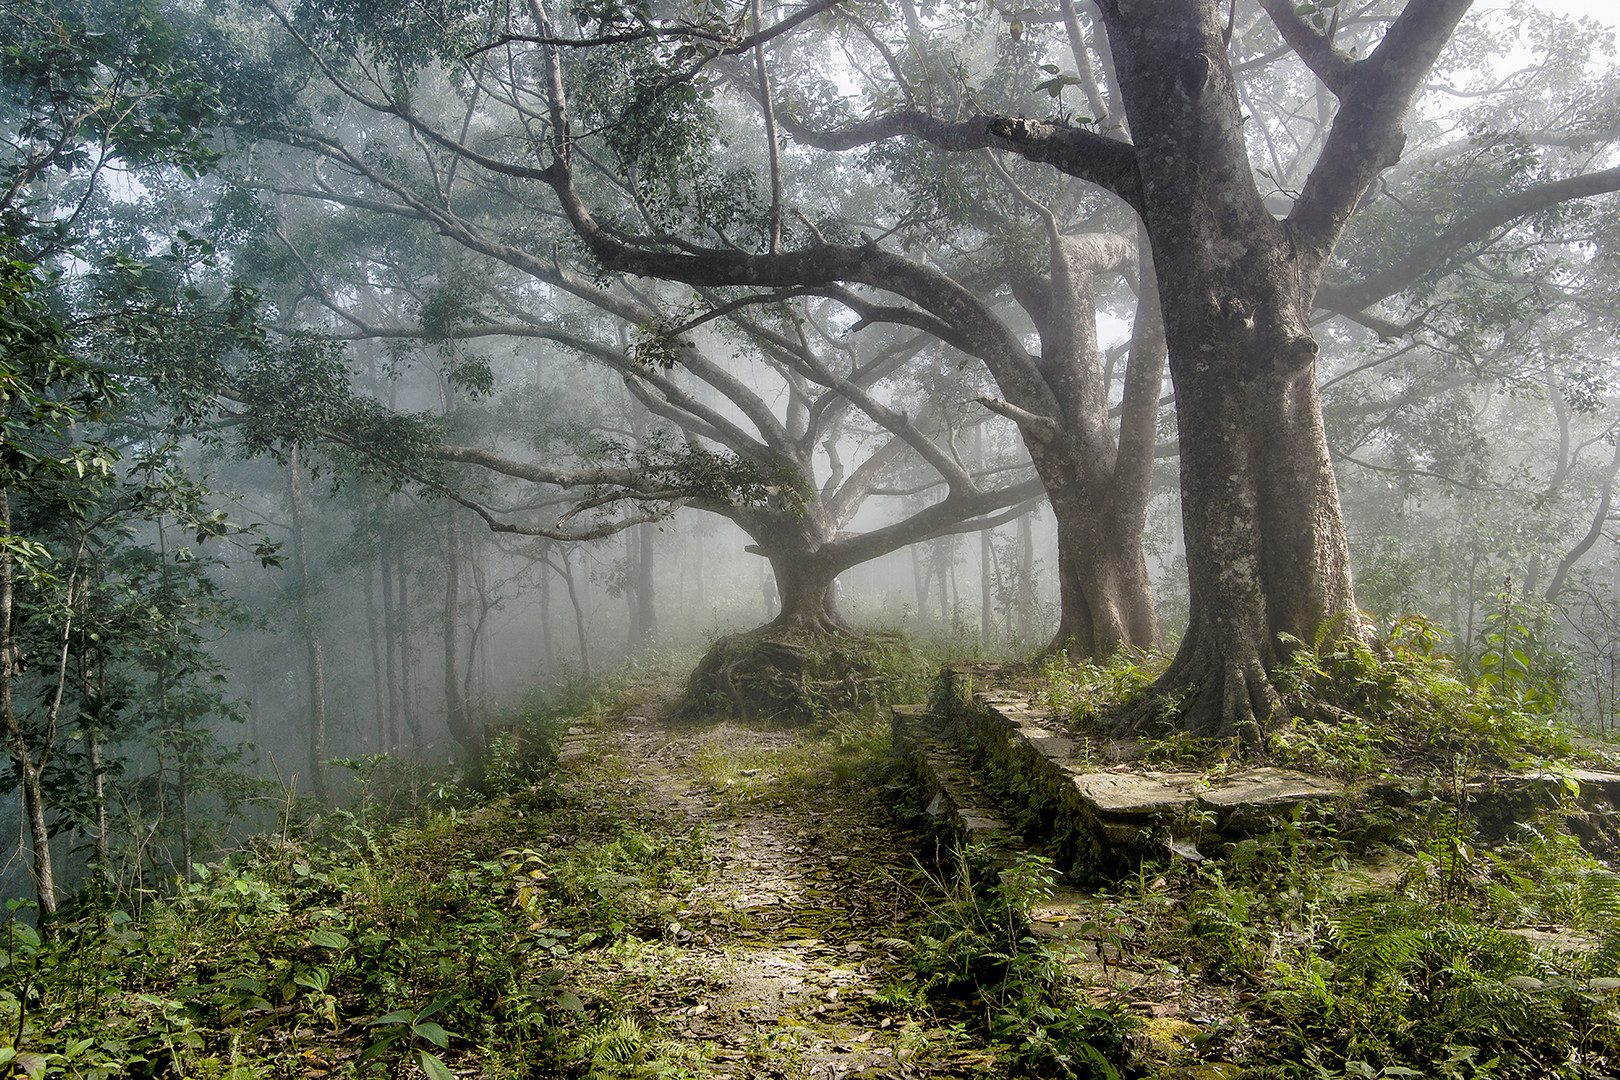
(791, 673)
(1209, 695)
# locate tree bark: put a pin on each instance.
(1098, 483)
(29, 766)
(391, 653)
(796, 546)
(455, 704)
(1266, 546)
(315, 651)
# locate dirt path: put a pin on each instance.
(776, 964)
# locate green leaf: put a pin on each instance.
(31, 1063)
(569, 1001)
(432, 1032)
(435, 1007)
(398, 1016)
(435, 1068)
(329, 939)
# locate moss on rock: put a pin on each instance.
(799, 674)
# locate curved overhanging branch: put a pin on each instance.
(1107, 162)
(672, 502)
(731, 45)
(536, 473)
(1349, 298)
(957, 513)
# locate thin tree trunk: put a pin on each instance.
(315, 652)
(986, 592)
(646, 608)
(408, 698)
(579, 616)
(390, 652)
(379, 690)
(98, 790)
(455, 706)
(697, 546)
(1025, 593)
(27, 766)
(548, 647)
(631, 583)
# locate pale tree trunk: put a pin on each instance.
(391, 653)
(379, 689)
(698, 568)
(646, 585)
(581, 627)
(28, 762)
(455, 705)
(1025, 594)
(548, 647)
(631, 582)
(315, 651)
(409, 697)
(986, 590)
(98, 789)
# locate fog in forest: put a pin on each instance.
(378, 379)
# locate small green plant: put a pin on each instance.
(974, 943)
(1080, 688)
(403, 1032)
(1400, 703)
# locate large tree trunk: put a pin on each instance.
(1098, 482)
(1266, 547)
(804, 574)
(1105, 595)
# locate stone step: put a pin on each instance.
(1098, 819)
(575, 746)
(950, 793)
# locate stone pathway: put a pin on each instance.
(778, 960)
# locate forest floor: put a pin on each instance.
(778, 957)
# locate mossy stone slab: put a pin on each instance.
(1268, 787)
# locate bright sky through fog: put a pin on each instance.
(1603, 11)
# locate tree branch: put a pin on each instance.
(1333, 66)
(1108, 163)
(1346, 298)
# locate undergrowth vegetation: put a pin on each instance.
(973, 947)
(527, 924)
(1459, 917)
